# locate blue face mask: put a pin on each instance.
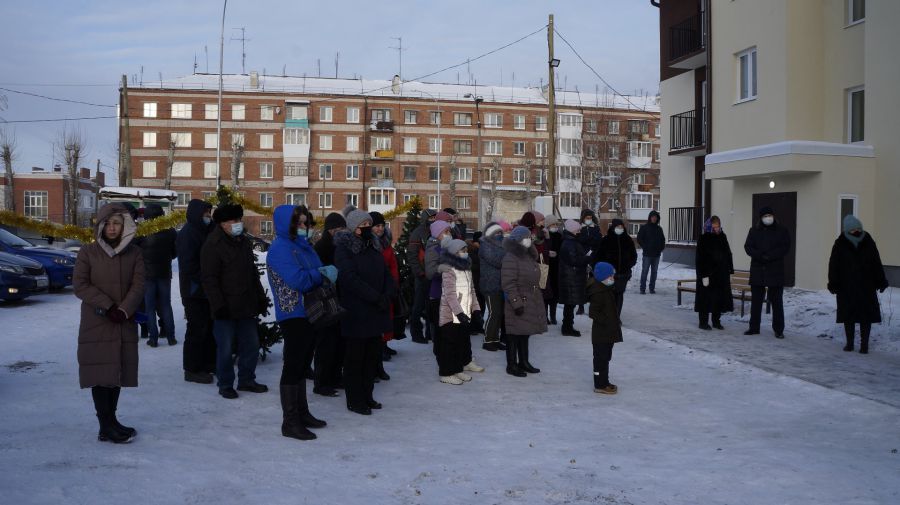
(237, 229)
(302, 233)
(207, 220)
(609, 281)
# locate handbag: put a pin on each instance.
(322, 306)
(545, 272)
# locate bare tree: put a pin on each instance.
(71, 147)
(8, 154)
(170, 162)
(492, 189)
(453, 176)
(237, 155)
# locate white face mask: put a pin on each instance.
(526, 242)
(554, 229)
(237, 228)
(768, 220)
(445, 241)
(463, 255)
(609, 281)
(619, 231)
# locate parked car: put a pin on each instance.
(21, 277)
(58, 263)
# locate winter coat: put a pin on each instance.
(767, 246)
(457, 290)
(606, 327)
(230, 278)
(476, 264)
(619, 251)
(491, 253)
(554, 243)
(365, 286)
(325, 248)
(519, 278)
(651, 237)
(416, 246)
(573, 262)
(714, 261)
(854, 274)
(591, 237)
(158, 249)
(103, 277)
(292, 267)
(190, 240)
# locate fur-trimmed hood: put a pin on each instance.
(355, 244)
(514, 247)
(455, 261)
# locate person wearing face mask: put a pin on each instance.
(524, 310)
(199, 352)
(855, 272)
(573, 263)
(158, 250)
(767, 244)
(366, 288)
(441, 235)
(457, 225)
(652, 241)
(618, 250)
(383, 237)
(552, 246)
(329, 353)
(491, 253)
(293, 268)
(714, 269)
(415, 258)
(236, 298)
(458, 305)
(606, 327)
(591, 238)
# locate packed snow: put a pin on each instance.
(700, 418)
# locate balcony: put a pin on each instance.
(381, 126)
(687, 42)
(688, 133)
(638, 206)
(685, 224)
(296, 175)
(383, 154)
(639, 155)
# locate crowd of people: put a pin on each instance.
(505, 281)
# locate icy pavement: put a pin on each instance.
(701, 418)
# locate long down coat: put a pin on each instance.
(714, 260)
(105, 276)
(572, 275)
(519, 277)
(854, 274)
(365, 286)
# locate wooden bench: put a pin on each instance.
(740, 288)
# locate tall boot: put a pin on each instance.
(864, 330)
(108, 431)
(850, 333)
(307, 419)
(113, 405)
(512, 368)
(291, 426)
(552, 307)
(523, 355)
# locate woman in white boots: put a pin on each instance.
(457, 306)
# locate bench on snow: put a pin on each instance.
(740, 288)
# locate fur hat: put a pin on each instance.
(443, 216)
(438, 227)
(426, 213)
(357, 217)
(603, 270)
(456, 245)
(334, 220)
(520, 233)
(377, 218)
(766, 210)
(450, 210)
(572, 226)
(230, 212)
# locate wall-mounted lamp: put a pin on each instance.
(771, 184)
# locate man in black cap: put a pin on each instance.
(767, 244)
(415, 258)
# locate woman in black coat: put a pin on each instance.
(618, 250)
(573, 262)
(714, 269)
(854, 273)
(554, 243)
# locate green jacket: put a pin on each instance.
(606, 328)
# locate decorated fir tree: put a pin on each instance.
(410, 224)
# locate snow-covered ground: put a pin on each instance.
(701, 418)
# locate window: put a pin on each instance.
(571, 120)
(856, 11)
(352, 172)
(462, 147)
(325, 142)
(569, 199)
(640, 201)
(295, 198)
(352, 144)
(569, 146)
(210, 140)
(181, 139)
(409, 145)
(325, 172)
(409, 196)
(435, 145)
(238, 111)
(856, 114)
(296, 112)
(433, 174)
(266, 199)
(462, 118)
(613, 152)
(747, 74)
(639, 178)
(296, 169)
(380, 172)
(519, 175)
(149, 139)
(590, 125)
(266, 141)
(240, 171)
(182, 198)
(36, 205)
(325, 200)
(209, 169)
(410, 116)
(493, 120)
(463, 202)
(150, 109)
(265, 227)
(326, 114)
(540, 123)
(149, 168)
(493, 148)
(656, 154)
(462, 174)
(434, 201)
(383, 196)
(540, 149)
(207, 195)
(518, 148)
(638, 126)
(381, 143)
(639, 149)
(409, 173)
(570, 172)
(519, 122)
(634, 228)
(181, 111)
(381, 114)
(435, 117)
(266, 112)
(212, 110)
(266, 170)
(847, 205)
(539, 176)
(237, 139)
(613, 128)
(351, 199)
(353, 114)
(591, 151)
(296, 136)
(181, 169)
(656, 131)
(493, 175)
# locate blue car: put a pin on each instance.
(21, 277)
(58, 263)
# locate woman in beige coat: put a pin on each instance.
(109, 280)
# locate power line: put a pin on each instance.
(55, 99)
(60, 119)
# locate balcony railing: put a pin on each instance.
(688, 130)
(381, 126)
(687, 37)
(685, 224)
(383, 154)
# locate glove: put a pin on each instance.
(552, 254)
(519, 311)
(443, 267)
(222, 313)
(705, 281)
(330, 272)
(463, 319)
(116, 315)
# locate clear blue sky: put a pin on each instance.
(79, 49)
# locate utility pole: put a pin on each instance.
(551, 99)
(219, 106)
(125, 144)
(243, 40)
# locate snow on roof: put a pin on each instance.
(411, 89)
(143, 193)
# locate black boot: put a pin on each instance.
(568, 330)
(113, 406)
(850, 333)
(512, 368)
(108, 431)
(291, 426)
(864, 330)
(552, 308)
(307, 419)
(523, 356)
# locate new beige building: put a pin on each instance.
(791, 104)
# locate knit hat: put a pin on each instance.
(520, 233)
(456, 245)
(426, 213)
(572, 226)
(334, 220)
(851, 222)
(347, 210)
(550, 220)
(357, 217)
(766, 210)
(377, 218)
(504, 225)
(438, 227)
(603, 270)
(443, 216)
(230, 212)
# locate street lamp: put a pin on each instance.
(478, 99)
(554, 63)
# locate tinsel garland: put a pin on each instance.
(46, 228)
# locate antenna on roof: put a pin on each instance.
(284, 70)
(160, 80)
(337, 59)
(400, 50)
(195, 63)
(319, 66)
(142, 75)
(243, 40)
(206, 52)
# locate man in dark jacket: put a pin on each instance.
(159, 251)
(236, 297)
(591, 238)
(652, 241)
(415, 258)
(767, 244)
(199, 355)
(617, 249)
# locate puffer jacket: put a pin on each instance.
(417, 240)
(520, 277)
(491, 253)
(651, 237)
(292, 267)
(158, 249)
(188, 244)
(767, 247)
(573, 262)
(606, 327)
(457, 290)
(230, 278)
(619, 251)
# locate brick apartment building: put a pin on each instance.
(327, 143)
(44, 194)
